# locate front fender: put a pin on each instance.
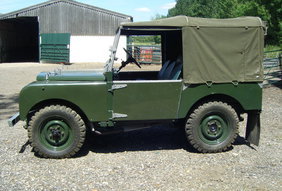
(90, 97)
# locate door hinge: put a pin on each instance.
(235, 83)
(117, 86)
(209, 83)
(118, 115)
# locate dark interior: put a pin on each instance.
(135, 75)
(19, 40)
(171, 45)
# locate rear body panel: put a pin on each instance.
(248, 95)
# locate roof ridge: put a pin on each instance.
(50, 2)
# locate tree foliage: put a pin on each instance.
(203, 8)
(269, 10)
(274, 8)
(146, 40)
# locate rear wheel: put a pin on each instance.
(56, 132)
(212, 127)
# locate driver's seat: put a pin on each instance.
(165, 72)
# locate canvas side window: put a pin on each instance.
(159, 55)
(172, 55)
(147, 52)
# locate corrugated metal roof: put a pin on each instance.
(50, 2)
(68, 16)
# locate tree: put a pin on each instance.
(269, 10)
(274, 7)
(204, 8)
(158, 16)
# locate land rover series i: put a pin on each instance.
(210, 75)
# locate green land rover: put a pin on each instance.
(210, 75)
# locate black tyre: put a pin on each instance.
(212, 127)
(56, 132)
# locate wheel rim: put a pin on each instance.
(56, 134)
(214, 129)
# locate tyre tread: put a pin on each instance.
(76, 117)
(190, 125)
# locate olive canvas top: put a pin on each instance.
(183, 21)
(217, 50)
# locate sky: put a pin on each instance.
(140, 10)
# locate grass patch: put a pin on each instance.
(272, 48)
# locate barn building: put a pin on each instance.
(59, 31)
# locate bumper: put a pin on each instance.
(14, 119)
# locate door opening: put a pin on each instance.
(19, 40)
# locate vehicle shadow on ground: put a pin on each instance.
(150, 139)
(242, 141)
(8, 105)
(277, 84)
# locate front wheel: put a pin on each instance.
(56, 132)
(212, 127)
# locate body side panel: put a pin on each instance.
(147, 100)
(90, 97)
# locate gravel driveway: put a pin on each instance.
(149, 159)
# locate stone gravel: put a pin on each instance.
(150, 159)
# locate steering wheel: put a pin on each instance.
(130, 59)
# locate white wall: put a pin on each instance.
(94, 48)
